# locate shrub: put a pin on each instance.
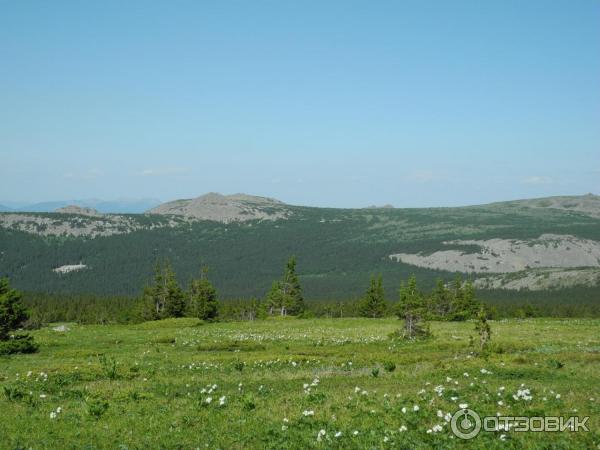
(18, 344)
(389, 366)
(97, 407)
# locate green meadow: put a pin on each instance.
(296, 384)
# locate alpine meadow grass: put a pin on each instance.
(296, 384)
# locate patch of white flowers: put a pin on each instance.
(54, 414)
(523, 394)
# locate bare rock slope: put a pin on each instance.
(510, 255)
(225, 208)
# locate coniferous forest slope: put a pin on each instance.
(517, 248)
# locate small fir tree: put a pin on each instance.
(203, 301)
(412, 309)
(373, 303)
(483, 329)
(174, 298)
(285, 295)
(12, 316)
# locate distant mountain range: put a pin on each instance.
(537, 245)
(123, 206)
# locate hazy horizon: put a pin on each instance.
(155, 202)
(338, 104)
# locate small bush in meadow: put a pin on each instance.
(389, 366)
(97, 407)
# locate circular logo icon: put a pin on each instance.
(465, 423)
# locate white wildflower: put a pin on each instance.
(321, 434)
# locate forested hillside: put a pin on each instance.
(337, 250)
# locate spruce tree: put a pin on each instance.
(292, 291)
(285, 295)
(483, 329)
(154, 297)
(12, 312)
(164, 297)
(440, 303)
(174, 299)
(203, 301)
(276, 300)
(12, 316)
(373, 303)
(464, 302)
(412, 309)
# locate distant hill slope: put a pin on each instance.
(588, 204)
(245, 240)
(225, 208)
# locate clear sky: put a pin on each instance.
(328, 103)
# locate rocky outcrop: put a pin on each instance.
(225, 208)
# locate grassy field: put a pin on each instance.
(338, 383)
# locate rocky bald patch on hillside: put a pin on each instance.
(79, 225)
(510, 255)
(79, 210)
(225, 208)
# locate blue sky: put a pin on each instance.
(414, 103)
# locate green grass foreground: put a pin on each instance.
(278, 383)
